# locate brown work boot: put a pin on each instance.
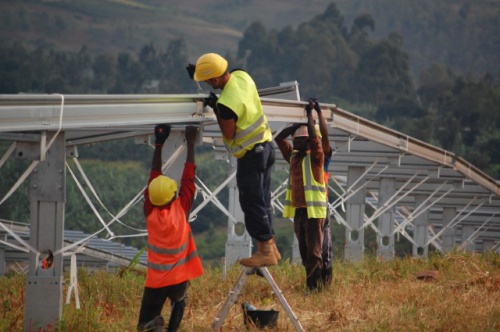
(275, 249)
(264, 256)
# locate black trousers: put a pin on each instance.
(153, 300)
(327, 253)
(309, 232)
(253, 177)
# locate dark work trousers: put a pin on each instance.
(327, 253)
(309, 234)
(253, 177)
(153, 300)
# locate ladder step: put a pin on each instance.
(238, 286)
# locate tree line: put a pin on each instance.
(332, 62)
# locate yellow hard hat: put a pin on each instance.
(161, 190)
(208, 66)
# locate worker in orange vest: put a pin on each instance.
(172, 256)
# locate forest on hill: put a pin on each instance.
(461, 34)
(336, 59)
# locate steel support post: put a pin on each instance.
(385, 240)
(448, 239)
(44, 285)
(355, 209)
(467, 232)
(239, 242)
(421, 231)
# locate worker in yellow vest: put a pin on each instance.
(172, 256)
(247, 135)
(305, 199)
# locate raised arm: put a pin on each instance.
(162, 131)
(191, 133)
(310, 120)
(325, 142)
(227, 126)
(287, 132)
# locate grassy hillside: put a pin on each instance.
(460, 33)
(463, 294)
(117, 26)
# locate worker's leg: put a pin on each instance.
(327, 253)
(151, 306)
(269, 159)
(299, 223)
(270, 156)
(178, 296)
(314, 261)
(253, 179)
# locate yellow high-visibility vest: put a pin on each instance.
(314, 191)
(240, 94)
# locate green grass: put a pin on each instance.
(373, 295)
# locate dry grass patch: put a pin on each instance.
(374, 295)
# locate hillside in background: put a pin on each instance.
(117, 26)
(344, 54)
(462, 34)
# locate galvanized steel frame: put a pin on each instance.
(449, 181)
(92, 118)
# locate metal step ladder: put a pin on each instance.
(238, 286)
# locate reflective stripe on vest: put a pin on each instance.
(314, 192)
(168, 251)
(240, 95)
(168, 267)
(172, 254)
(249, 143)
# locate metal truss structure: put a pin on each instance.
(383, 179)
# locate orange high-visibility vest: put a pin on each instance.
(172, 255)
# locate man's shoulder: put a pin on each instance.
(242, 77)
(238, 70)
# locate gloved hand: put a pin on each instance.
(191, 69)
(161, 133)
(211, 100)
(316, 104)
(309, 107)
